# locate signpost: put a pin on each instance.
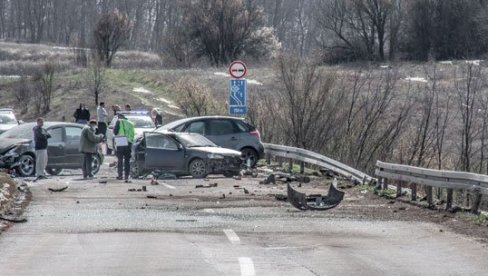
(237, 88)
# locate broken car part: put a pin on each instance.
(315, 202)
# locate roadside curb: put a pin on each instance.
(14, 198)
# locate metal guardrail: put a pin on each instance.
(435, 178)
(310, 157)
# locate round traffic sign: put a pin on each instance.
(237, 69)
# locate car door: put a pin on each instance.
(73, 157)
(223, 132)
(56, 147)
(162, 152)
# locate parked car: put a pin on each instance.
(227, 132)
(182, 154)
(7, 119)
(142, 122)
(17, 149)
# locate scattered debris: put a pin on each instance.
(206, 186)
(280, 197)
(58, 190)
(144, 189)
(315, 202)
(16, 219)
(223, 196)
(154, 182)
(237, 186)
(270, 179)
(237, 177)
(285, 177)
(151, 196)
(102, 181)
(186, 220)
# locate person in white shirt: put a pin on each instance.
(102, 119)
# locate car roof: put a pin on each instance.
(55, 123)
(185, 120)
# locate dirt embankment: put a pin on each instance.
(13, 200)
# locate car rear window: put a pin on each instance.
(141, 121)
(7, 118)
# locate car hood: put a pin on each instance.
(218, 150)
(4, 127)
(8, 143)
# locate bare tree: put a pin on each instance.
(44, 79)
(111, 31)
(96, 77)
(192, 98)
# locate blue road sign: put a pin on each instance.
(237, 97)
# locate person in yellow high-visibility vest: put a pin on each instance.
(124, 127)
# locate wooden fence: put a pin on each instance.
(476, 184)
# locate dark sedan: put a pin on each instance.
(183, 154)
(17, 149)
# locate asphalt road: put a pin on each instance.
(93, 228)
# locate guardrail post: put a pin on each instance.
(290, 165)
(449, 199)
(476, 202)
(429, 195)
(413, 187)
(302, 167)
(399, 189)
(385, 183)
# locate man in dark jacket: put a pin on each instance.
(88, 146)
(40, 145)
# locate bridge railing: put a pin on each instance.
(310, 157)
(477, 184)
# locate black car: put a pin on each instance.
(182, 154)
(17, 149)
(228, 132)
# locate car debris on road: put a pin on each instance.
(320, 202)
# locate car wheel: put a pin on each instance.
(249, 154)
(53, 171)
(27, 165)
(198, 168)
(95, 166)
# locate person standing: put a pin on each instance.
(77, 114)
(127, 107)
(156, 116)
(40, 145)
(124, 128)
(102, 119)
(88, 146)
(84, 115)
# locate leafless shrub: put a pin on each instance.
(43, 80)
(95, 77)
(193, 98)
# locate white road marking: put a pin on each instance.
(168, 186)
(209, 210)
(247, 267)
(232, 236)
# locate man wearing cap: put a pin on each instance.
(124, 128)
(88, 146)
(102, 119)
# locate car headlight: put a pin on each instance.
(215, 156)
(11, 152)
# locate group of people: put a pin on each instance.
(92, 134)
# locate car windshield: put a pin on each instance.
(19, 132)
(192, 140)
(7, 118)
(141, 121)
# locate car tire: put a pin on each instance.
(95, 166)
(198, 168)
(54, 171)
(27, 165)
(250, 153)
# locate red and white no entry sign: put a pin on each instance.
(237, 69)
